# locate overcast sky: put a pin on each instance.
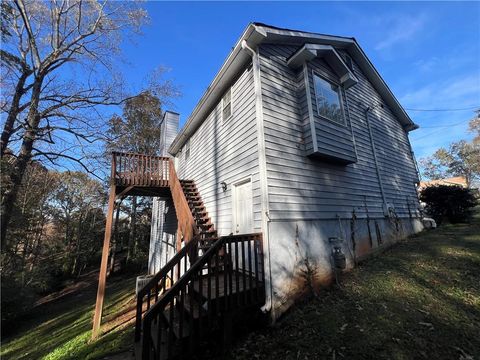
(427, 52)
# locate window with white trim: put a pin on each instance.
(227, 105)
(187, 149)
(328, 99)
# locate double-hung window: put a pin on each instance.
(187, 149)
(227, 105)
(328, 99)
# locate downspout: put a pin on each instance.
(262, 163)
(377, 168)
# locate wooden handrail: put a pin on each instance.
(186, 223)
(123, 153)
(189, 231)
(159, 282)
(130, 169)
(248, 260)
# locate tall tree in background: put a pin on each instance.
(57, 67)
(137, 130)
(474, 127)
(462, 158)
(57, 226)
(58, 71)
(79, 217)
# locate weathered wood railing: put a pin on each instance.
(229, 276)
(162, 281)
(186, 222)
(130, 169)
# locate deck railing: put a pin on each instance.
(186, 223)
(162, 281)
(130, 169)
(229, 276)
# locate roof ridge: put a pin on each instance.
(301, 31)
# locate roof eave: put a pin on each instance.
(254, 34)
(235, 60)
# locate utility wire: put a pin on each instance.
(459, 109)
(444, 126)
(435, 131)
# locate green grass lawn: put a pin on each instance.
(61, 328)
(418, 300)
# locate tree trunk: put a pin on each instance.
(16, 175)
(13, 112)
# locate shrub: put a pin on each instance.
(452, 203)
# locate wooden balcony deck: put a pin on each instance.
(141, 175)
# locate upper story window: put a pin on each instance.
(187, 149)
(328, 99)
(227, 105)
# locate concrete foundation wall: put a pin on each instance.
(293, 242)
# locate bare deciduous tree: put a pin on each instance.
(58, 67)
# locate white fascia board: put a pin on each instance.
(230, 68)
(254, 34)
(309, 51)
(300, 56)
(295, 37)
(285, 36)
(380, 85)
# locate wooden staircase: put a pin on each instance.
(207, 282)
(207, 231)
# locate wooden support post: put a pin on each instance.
(115, 237)
(102, 276)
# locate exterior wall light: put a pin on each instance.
(224, 186)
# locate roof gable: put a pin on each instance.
(258, 33)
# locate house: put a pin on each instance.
(297, 138)
(452, 181)
(294, 165)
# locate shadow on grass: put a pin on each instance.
(420, 299)
(61, 329)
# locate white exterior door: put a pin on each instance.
(242, 208)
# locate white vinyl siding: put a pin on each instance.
(227, 105)
(226, 152)
(302, 187)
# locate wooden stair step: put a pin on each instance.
(206, 228)
(203, 220)
(197, 207)
(189, 189)
(210, 231)
(202, 213)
